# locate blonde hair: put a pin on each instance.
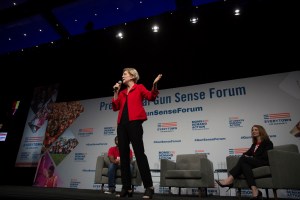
(133, 72)
(262, 133)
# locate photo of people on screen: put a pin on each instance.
(296, 130)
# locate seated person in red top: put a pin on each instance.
(114, 157)
(255, 156)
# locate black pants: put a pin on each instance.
(244, 166)
(132, 132)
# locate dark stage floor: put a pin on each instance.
(38, 193)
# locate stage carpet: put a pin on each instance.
(39, 193)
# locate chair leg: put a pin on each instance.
(239, 193)
(179, 192)
(199, 192)
(267, 193)
(202, 192)
(170, 190)
(275, 194)
(205, 192)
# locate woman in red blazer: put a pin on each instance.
(129, 103)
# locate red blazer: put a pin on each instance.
(135, 98)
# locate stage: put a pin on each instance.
(40, 193)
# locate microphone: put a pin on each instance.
(116, 88)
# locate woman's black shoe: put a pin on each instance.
(125, 193)
(259, 196)
(221, 185)
(148, 194)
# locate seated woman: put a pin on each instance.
(255, 156)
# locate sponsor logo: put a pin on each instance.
(166, 155)
(277, 118)
(84, 132)
(167, 126)
(235, 122)
(74, 183)
(109, 131)
(80, 156)
(237, 151)
(199, 125)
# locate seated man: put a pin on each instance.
(114, 157)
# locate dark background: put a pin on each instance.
(263, 40)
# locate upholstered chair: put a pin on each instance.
(101, 173)
(188, 171)
(283, 172)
